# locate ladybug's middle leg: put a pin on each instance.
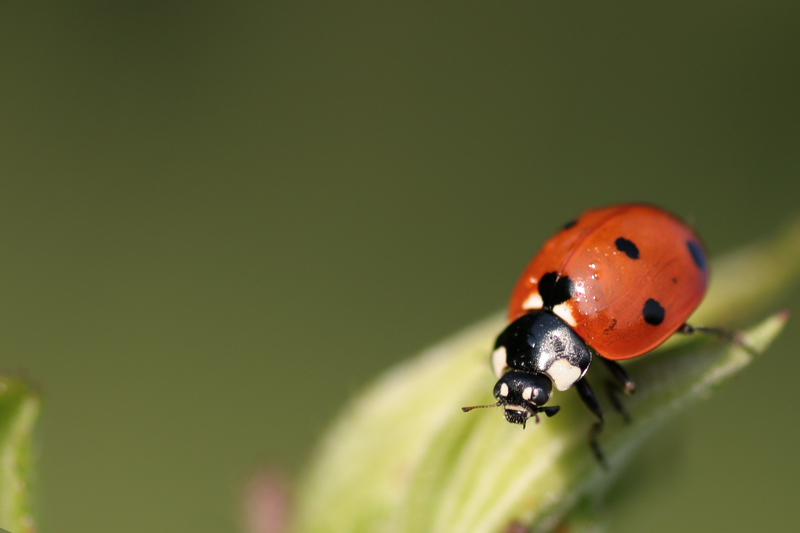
(621, 383)
(590, 400)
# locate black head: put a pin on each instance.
(523, 395)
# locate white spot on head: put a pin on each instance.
(563, 312)
(527, 392)
(499, 361)
(563, 374)
(534, 301)
(503, 389)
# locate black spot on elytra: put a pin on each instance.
(627, 247)
(674, 280)
(653, 313)
(697, 254)
(570, 224)
(555, 290)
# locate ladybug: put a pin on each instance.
(614, 283)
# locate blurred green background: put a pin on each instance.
(218, 221)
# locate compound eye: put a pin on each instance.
(501, 390)
(535, 395)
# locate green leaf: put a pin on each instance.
(19, 410)
(403, 458)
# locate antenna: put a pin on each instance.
(468, 409)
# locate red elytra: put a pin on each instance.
(620, 260)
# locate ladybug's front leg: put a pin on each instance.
(590, 400)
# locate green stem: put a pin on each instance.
(19, 411)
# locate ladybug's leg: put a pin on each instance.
(590, 400)
(621, 378)
(721, 333)
(622, 383)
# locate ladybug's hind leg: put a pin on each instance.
(720, 333)
(620, 384)
(590, 400)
